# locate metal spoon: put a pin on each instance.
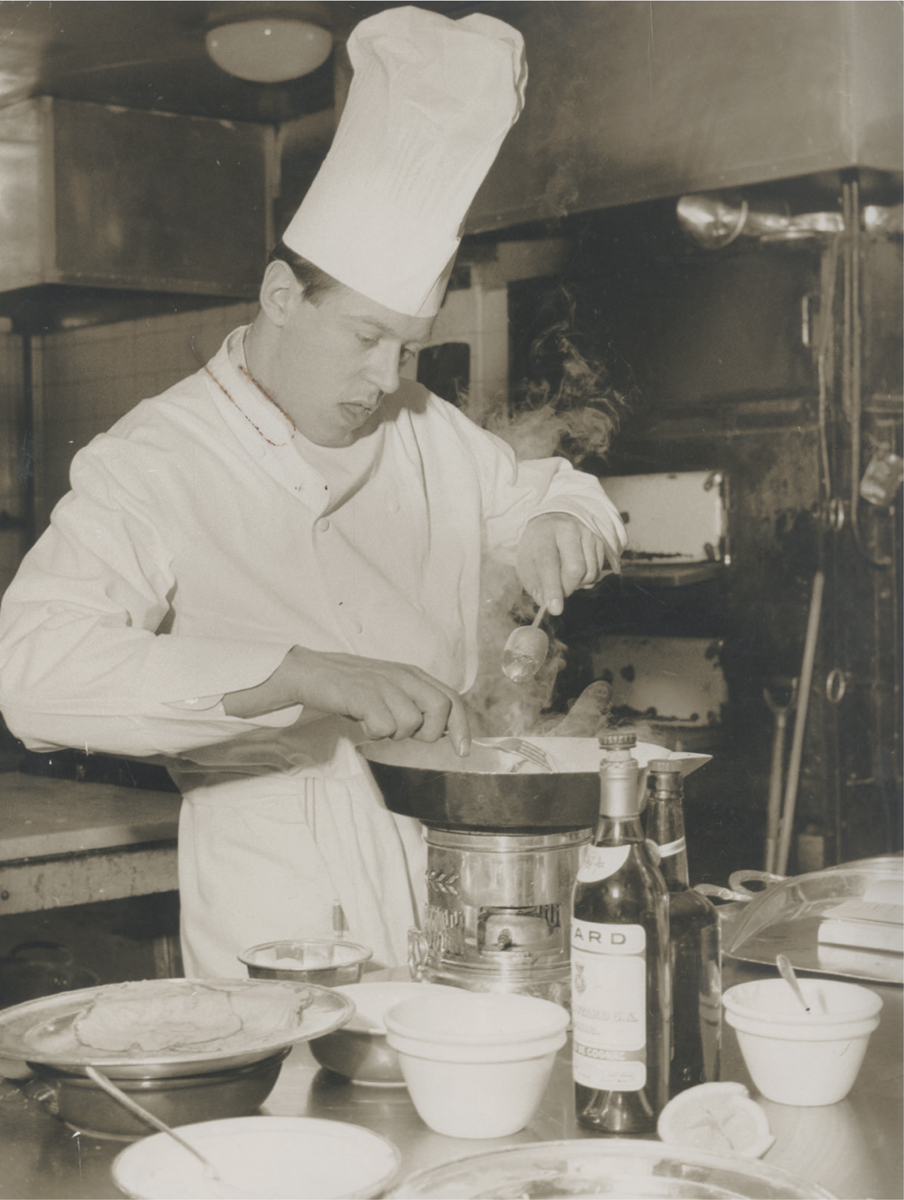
(787, 973)
(127, 1102)
(525, 651)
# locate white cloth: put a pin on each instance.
(430, 103)
(190, 556)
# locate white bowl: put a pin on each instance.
(798, 1057)
(262, 1158)
(476, 1063)
(359, 1050)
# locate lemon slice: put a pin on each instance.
(719, 1117)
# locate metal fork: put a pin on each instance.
(520, 747)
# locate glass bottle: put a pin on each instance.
(694, 936)
(620, 961)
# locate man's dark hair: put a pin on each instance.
(316, 283)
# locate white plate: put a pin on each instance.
(271, 1158)
(617, 1167)
(41, 1031)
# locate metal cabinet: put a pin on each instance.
(104, 197)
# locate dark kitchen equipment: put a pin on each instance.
(34, 969)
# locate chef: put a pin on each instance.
(280, 556)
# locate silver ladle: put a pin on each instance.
(525, 651)
(127, 1102)
(787, 973)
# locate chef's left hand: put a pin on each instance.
(556, 555)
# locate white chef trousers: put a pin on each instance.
(267, 857)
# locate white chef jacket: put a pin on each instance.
(201, 540)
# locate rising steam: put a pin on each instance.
(566, 407)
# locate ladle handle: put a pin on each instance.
(787, 973)
(541, 613)
(127, 1102)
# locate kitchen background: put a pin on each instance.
(698, 220)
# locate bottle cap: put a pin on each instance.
(664, 766)
(618, 739)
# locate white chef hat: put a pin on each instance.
(430, 102)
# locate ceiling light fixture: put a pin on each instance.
(269, 50)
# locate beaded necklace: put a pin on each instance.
(260, 387)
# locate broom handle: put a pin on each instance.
(800, 722)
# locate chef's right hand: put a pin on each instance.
(390, 700)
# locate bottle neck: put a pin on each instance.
(618, 831)
(619, 784)
(665, 827)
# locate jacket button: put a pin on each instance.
(322, 525)
(356, 627)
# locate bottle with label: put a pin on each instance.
(694, 936)
(620, 961)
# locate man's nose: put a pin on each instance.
(383, 367)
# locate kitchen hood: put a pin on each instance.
(98, 201)
(631, 101)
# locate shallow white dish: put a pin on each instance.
(261, 1158)
(617, 1167)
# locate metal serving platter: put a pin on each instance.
(41, 1031)
(621, 1168)
(494, 790)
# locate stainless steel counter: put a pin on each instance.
(65, 843)
(854, 1148)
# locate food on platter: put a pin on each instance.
(134, 1018)
(153, 1016)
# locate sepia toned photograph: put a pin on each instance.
(451, 468)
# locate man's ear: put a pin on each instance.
(280, 292)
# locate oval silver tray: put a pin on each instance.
(41, 1031)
